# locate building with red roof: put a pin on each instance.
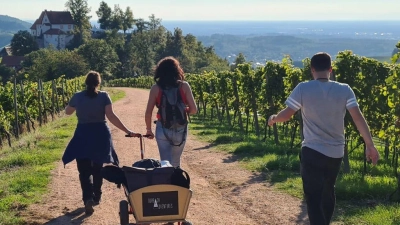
(14, 62)
(53, 28)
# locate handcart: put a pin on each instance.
(156, 203)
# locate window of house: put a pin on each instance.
(69, 26)
(61, 26)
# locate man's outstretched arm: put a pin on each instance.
(282, 116)
(362, 126)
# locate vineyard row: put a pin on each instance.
(259, 92)
(25, 103)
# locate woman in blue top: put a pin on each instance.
(91, 144)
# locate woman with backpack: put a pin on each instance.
(174, 100)
(91, 144)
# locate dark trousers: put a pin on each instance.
(319, 174)
(90, 190)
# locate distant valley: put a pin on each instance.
(260, 41)
(275, 47)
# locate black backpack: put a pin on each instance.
(172, 110)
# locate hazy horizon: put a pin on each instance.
(227, 10)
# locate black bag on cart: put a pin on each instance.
(147, 163)
(114, 174)
(137, 178)
(140, 177)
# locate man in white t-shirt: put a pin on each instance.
(323, 105)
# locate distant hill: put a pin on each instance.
(274, 47)
(10, 24)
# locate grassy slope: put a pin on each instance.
(25, 168)
(360, 200)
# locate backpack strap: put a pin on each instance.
(158, 99)
(183, 97)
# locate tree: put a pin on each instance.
(104, 13)
(80, 13)
(157, 34)
(117, 18)
(396, 53)
(143, 56)
(49, 63)
(154, 22)
(240, 59)
(141, 25)
(5, 73)
(23, 43)
(127, 21)
(100, 57)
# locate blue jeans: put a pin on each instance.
(167, 151)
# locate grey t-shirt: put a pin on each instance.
(323, 107)
(90, 110)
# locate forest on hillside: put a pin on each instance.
(11, 24)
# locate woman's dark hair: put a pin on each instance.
(168, 72)
(92, 81)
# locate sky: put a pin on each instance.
(224, 9)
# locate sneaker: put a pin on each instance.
(89, 207)
(96, 200)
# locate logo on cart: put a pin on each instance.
(160, 203)
(154, 201)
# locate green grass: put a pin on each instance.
(25, 168)
(361, 199)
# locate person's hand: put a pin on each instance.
(150, 133)
(132, 134)
(271, 120)
(372, 154)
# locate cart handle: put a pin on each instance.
(140, 136)
(137, 135)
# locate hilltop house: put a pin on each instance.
(53, 28)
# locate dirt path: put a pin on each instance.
(223, 193)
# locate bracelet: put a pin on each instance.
(148, 129)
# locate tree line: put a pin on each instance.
(125, 47)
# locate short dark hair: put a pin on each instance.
(168, 72)
(321, 61)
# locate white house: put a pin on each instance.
(53, 28)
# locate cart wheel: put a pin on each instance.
(186, 223)
(123, 212)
